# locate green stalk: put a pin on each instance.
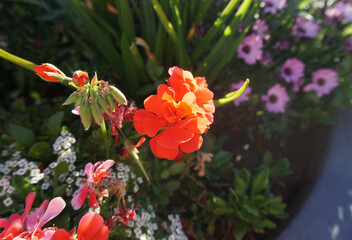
(166, 23)
(231, 96)
(106, 140)
(17, 60)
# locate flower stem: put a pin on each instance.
(106, 140)
(17, 60)
(231, 96)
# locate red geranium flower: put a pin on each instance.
(177, 116)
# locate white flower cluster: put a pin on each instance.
(124, 174)
(145, 226)
(16, 165)
(175, 229)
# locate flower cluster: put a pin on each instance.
(176, 117)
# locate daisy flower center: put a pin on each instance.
(272, 98)
(288, 71)
(246, 49)
(321, 82)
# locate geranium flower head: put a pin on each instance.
(276, 99)
(97, 174)
(323, 82)
(250, 49)
(245, 95)
(176, 117)
(292, 70)
(305, 28)
(29, 224)
(272, 6)
(49, 72)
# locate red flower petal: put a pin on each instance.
(162, 152)
(173, 136)
(89, 225)
(147, 123)
(41, 69)
(192, 145)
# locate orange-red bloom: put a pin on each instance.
(45, 68)
(80, 77)
(177, 116)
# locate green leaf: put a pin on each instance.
(268, 158)
(40, 151)
(165, 174)
(239, 230)
(176, 168)
(60, 190)
(172, 185)
(211, 227)
(219, 202)
(54, 124)
(61, 168)
(23, 186)
(23, 135)
(260, 181)
(240, 184)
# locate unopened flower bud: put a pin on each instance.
(81, 78)
(98, 116)
(102, 104)
(49, 72)
(86, 115)
(110, 101)
(118, 95)
(71, 99)
(94, 80)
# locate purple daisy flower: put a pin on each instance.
(323, 82)
(333, 15)
(272, 6)
(250, 49)
(245, 95)
(292, 70)
(259, 27)
(276, 99)
(346, 10)
(305, 28)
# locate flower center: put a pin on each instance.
(287, 71)
(246, 49)
(269, 4)
(321, 81)
(301, 30)
(272, 98)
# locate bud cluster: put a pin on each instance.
(93, 98)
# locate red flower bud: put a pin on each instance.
(49, 72)
(81, 77)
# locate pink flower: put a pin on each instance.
(276, 99)
(333, 15)
(282, 45)
(96, 176)
(346, 10)
(297, 85)
(266, 58)
(29, 224)
(292, 70)
(250, 49)
(259, 27)
(348, 44)
(272, 6)
(323, 82)
(305, 28)
(245, 95)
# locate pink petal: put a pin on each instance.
(89, 224)
(54, 208)
(29, 203)
(89, 170)
(92, 201)
(78, 200)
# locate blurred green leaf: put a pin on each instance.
(41, 151)
(172, 185)
(23, 135)
(54, 124)
(23, 185)
(239, 230)
(60, 168)
(176, 168)
(260, 181)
